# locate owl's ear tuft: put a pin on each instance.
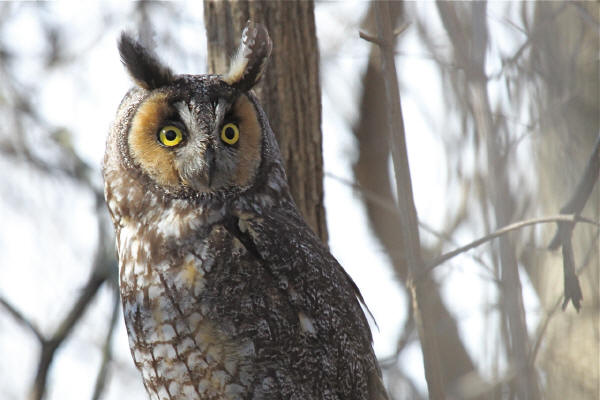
(143, 66)
(248, 65)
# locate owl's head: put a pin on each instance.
(195, 134)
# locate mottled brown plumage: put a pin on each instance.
(227, 293)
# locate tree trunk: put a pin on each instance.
(289, 91)
(372, 174)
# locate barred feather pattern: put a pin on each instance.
(229, 294)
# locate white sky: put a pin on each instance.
(43, 281)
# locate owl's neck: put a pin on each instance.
(134, 205)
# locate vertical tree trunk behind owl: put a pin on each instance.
(289, 92)
(371, 170)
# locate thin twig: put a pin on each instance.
(504, 230)
(368, 194)
(381, 41)
(401, 29)
(103, 269)
(49, 346)
(529, 42)
(449, 239)
(21, 319)
(107, 348)
(582, 192)
(389, 206)
(369, 38)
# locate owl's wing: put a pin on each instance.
(319, 289)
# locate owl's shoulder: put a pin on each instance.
(327, 301)
(292, 252)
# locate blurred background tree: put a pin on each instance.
(502, 114)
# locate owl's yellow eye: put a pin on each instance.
(170, 136)
(230, 133)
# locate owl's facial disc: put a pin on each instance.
(193, 144)
(178, 137)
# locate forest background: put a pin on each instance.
(501, 115)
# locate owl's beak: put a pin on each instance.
(209, 157)
(199, 174)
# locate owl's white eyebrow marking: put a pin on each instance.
(185, 114)
(223, 107)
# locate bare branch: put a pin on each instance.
(369, 38)
(504, 230)
(401, 29)
(582, 192)
(49, 346)
(369, 194)
(409, 231)
(107, 348)
(102, 268)
(373, 180)
(389, 206)
(471, 52)
(377, 40)
(529, 42)
(21, 319)
(380, 41)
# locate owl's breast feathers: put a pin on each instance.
(227, 305)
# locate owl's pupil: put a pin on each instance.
(170, 135)
(229, 133)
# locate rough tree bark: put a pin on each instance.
(289, 92)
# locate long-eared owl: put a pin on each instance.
(227, 293)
